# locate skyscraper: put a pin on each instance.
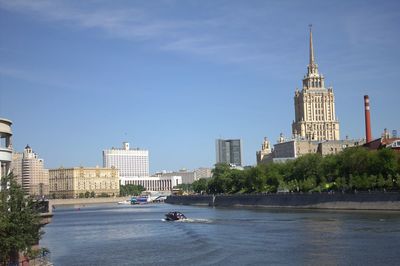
(314, 105)
(229, 151)
(129, 162)
(29, 171)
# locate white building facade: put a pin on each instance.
(129, 162)
(5, 146)
(159, 183)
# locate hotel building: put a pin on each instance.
(29, 171)
(315, 128)
(314, 105)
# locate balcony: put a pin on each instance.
(5, 154)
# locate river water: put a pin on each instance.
(111, 234)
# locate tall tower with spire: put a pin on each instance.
(314, 106)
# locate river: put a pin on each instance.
(111, 234)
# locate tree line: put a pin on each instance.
(20, 226)
(351, 170)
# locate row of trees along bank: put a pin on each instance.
(351, 170)
(19, 224)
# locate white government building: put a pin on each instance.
(133, 166)
(129, 162)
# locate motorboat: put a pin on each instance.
(125, 202)
(175, 216)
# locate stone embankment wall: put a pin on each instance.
(200, 200)
(83, 201)
(339, 201)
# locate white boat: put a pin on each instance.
(125, 202)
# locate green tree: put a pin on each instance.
(87, 194)
(307, 184)
(200, 185)
(341, 184)
(19, 222)
(220, 169)
(131, 190)
(397, 181)
(306, 167)
(380, 182)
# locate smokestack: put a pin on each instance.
(368, 134)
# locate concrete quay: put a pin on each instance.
(85, 201)
(332, 201)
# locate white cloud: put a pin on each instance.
(204, 37)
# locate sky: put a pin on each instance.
(78, 77)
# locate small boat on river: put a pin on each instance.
(125, 202)
(175, 216)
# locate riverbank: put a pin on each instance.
(85, 201)
(335, 201)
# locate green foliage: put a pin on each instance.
(19, 222)
(353, 169)
(185, 187)
(104, 195)
(131, 190)
(200, 185)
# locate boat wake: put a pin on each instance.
(189, 220)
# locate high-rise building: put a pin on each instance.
(229, 151)
(5, 147)
(29, 171)
(129, 162)
(314, 105)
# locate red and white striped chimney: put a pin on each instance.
(368, 134)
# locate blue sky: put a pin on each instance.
(77, 77)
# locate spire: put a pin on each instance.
(312, 66)
(312, 62)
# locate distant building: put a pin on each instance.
(30, 173)
(265, 151)
(75, 182)
(154, 183)
(202, 172)
(292, 149)
(229, 151)
(5, 147)
(315, 118)
(336, 146)
(385, 141)
(129, 162)
(188, 177)
(315, 128)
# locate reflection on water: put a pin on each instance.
(137, 235)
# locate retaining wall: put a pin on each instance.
(358, 201)
(57, 202)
